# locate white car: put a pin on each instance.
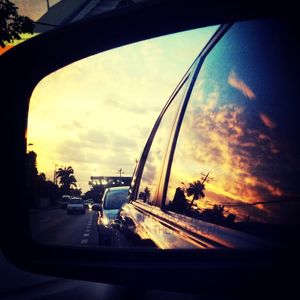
(75, 205)
(88, 203)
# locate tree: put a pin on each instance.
(195, 189)
(31, 168)
(179, 203)
(96, 193)
(66, 179)
(11, 24)
(31, 178)
(47, 189)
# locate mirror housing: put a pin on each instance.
(183, 270)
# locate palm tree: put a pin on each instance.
(66, 178)
(195, 189)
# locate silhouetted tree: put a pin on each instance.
(95, 193)
(47, 189)
(31, 179)
(75, 192)
(66, 179)
(11, 24)
(195, 189)
(147, 193)
(37, 186)
(179, 203)
(31, 166)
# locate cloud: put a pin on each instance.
(240, 85)
(267, 121)
(97, 113)
(225, 139)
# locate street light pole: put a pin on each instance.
(120, 172)
(54, 177)
(48, 5)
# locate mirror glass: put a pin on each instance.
(87, 125)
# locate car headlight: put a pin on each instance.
(105, 221)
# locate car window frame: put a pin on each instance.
(152, 136)
(190, 77)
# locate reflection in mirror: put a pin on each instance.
(237, 162)
(87, 124)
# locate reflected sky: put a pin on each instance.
(153, 167)
(240, 128)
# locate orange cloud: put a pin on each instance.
(221, 141)
(262, 136)
(267, 121)
(240, 85)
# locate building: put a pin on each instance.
(109, 181)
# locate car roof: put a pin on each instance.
(116, 188)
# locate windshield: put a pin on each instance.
(75, 201)
(115, 199)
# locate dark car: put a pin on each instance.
(112, 200)
(221, 164)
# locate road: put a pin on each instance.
(56, 227)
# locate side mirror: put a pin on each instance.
(207, 270)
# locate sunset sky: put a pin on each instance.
(95, 115)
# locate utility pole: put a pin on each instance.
(54, 177)
(120, 172)
(205, 177)
(48, 5)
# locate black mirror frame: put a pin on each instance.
(25, 65)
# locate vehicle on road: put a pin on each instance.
(63, 201)
(112, 200)
(214, 172)
(88, 203)
(96, 207)
(75, 205)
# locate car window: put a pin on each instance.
(153, 166)
(115, 199)
(237, 158)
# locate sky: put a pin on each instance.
(96, 114)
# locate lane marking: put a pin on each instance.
(86, 234)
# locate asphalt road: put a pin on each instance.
(56, 227)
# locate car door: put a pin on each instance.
(222, 166)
